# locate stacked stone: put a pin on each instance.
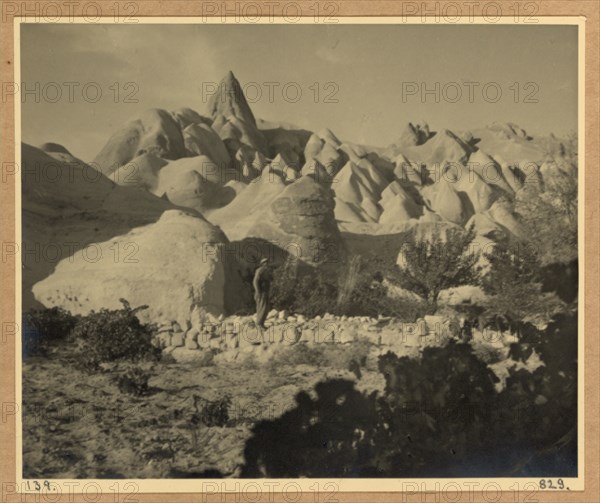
(239, 334)
(170, 336)
(230, 330)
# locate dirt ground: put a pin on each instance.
(80, 425)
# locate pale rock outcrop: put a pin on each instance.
(313, 147)
(235, 132)
(141, 172)
(316, 170)
(175, 266)
(155, 132)
(331, 158)
(406, 170)
(67, 214)
(514, 147)
(357, 191)
(324, 147)
(397, 204)
(186, 116)
(301, 220)
(328, 136)
(489, 170)
(411, 136)
(193, 182)
(286, 167)
(485, 226)
(229, 100)
(500, 213)
(246, 208)
(353, 151)
(232, 117)
(442, 146)
(448, 204)
(481, 195)
(201, 139)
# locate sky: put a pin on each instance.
(364, 82)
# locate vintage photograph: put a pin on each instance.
(303, 250)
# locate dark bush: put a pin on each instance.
(302, 289)
(316, 439)
(359, 292)
(134, 382)
(439, 416)
(113, 335)
(370, 297)
(211, 412)
(42, 328)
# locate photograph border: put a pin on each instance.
(584, 488)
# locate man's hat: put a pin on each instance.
(263, 261)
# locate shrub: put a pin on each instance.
(42, 328)
(211, 412)
(114, 335)
(303, 290)
(360, 292)
(316, 439)
(439, 416)
(134, 382)
(371, 297)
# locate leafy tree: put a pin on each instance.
(432, 265)
(514, 287)
(549, 210)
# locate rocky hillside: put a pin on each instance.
(151, 215)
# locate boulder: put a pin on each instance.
(191, 344)
(195, 182)
(308, 335)
(176, 266)
(177, 339)
(347, 336)
(68, 207)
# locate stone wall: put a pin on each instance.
(239, 335)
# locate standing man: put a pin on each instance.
(261, 283)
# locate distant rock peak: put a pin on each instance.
(228, 99)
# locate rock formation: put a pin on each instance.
(301, 221)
